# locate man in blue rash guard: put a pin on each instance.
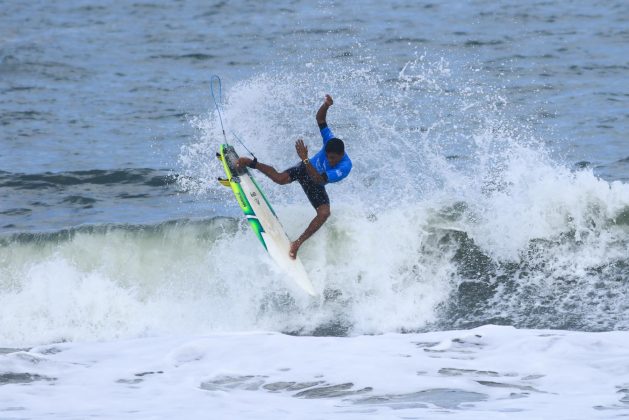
(330, 164)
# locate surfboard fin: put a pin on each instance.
(218, 156)
(224, 182)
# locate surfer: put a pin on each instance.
(330, 164)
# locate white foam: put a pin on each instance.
(126, 283)
(482, 373)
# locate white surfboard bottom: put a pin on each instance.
(275, 238)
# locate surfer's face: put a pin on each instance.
(333, 158)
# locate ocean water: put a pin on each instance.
(476, 264)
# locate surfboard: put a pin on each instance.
(262, 218)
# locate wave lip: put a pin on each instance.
(145, 176)
(52, 201)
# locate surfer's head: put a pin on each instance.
(334, 150)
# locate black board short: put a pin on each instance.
(315, 192)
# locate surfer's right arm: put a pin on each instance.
(302, 152)
(323, 111)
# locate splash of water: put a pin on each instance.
(454, 215)
(428, 142)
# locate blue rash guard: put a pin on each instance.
(316, 192)
(322, 165)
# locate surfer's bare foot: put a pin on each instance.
(243, 162)
(294, 247)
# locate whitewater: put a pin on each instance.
(475, 265)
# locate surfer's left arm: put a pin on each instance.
(323, 111)
(302, 152)
(322, 114)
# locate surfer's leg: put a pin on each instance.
(323, 212)
(277, 177)
(319, 199)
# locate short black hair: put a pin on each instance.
(335, 145)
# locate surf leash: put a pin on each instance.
(219, 101)
(218, 110)
(243, 145)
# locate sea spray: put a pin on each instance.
(454, 215)
(429, 137)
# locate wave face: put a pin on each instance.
(209, 275)
(405, 269)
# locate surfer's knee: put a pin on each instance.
(323, 211)
(282, 178)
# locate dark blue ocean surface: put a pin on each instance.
(111, 86)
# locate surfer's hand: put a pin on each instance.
(302, 149)
(243, 162)
(294, 247)
(328, 100)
